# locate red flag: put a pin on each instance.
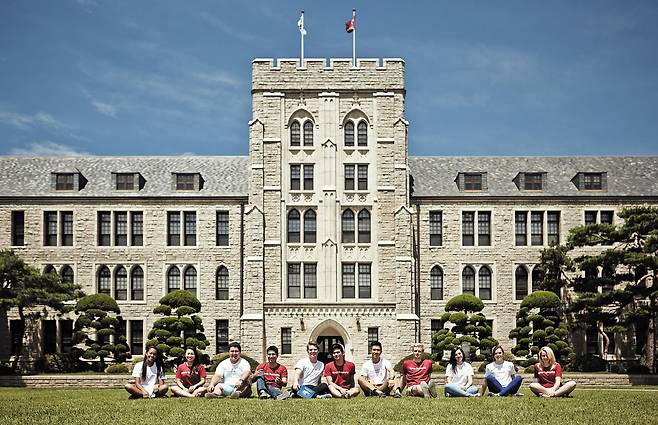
(350, 25)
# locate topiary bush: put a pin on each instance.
(95, 327)
(118, 368)
(180, 327)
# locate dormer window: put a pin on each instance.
(530, 181)
(471, 182)
(591, 181)
(66, 181)
(187, 181)
(127, 181)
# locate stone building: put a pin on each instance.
(327, 231)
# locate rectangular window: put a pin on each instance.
(190, 228)
(373, 336)
(436, 228)
(294, 280)
(607, 216)
(590, 217)
(362, 171)
(553, 227)
(125, 181)
(64, 181)
(66, 335)
(364, 280)
(468, 229)
(537, 228)
(349, 177)
(67, 228)
(286, 340)
(221, 336)
(532, 181)
(16, 329)
(310, 281)
(104, 228)
(592, 181)
(308, 177)
(295, 176)
(472, 181)
(49, 336)
(484, 228)
(121, 228)
(185, 181)
(18, 228)
(173, 228)
(222, 228)
(348, 281)
(50, 220)
(435, 326)
(521, 228)
(137, 228)
(136, 337)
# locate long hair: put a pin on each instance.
(159, 362)
(197, 361)
(453, 359)
(549, 354)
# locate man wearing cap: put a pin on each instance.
(340, 374)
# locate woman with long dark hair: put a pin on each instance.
(149, 376)
(190, 376)
(459, 376)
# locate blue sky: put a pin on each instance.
(483, 78)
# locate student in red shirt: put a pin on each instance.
(417, 373)
(190, 376)
(340, 374)
(549, 377)
(271, 376)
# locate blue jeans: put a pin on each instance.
(512, 388)
(455, 390)
(270, 389)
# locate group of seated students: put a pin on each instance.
(233, 377)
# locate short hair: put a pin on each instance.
(549, 353)
(312, 343)
(493, 350)
(376, 343)
(236, 345)
(418, 345)
(272, 348)
(338, 347)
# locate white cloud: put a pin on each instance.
(25, 121)
(46, 149)
(105, 108)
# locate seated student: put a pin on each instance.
(376, 376)
(308, 372)
(190, 376)
(500, 376)
(549, 376)
(231, 378)
(340, 374)
(271, 376)
(459, 376)
(417, 373)
(149, 376)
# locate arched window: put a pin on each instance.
(349, 133)
(120, 283)
(67, 274)
(521, 275)
(348, 226)
(49, 269)
(137, 283)
(190, 279)
(484, 278)
(537, 277)
(364, 226)
(221, 283)
(104, 280)
(309, 227)
(436, 283)
(173, 279)
(468, 280)
(362, 133)
(308, 133)
(294, 133)
(293, 226)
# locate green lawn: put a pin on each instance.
(87, 407)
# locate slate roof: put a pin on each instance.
(224, 176)
(635, 176)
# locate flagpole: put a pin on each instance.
(354, 38)
(301, 63)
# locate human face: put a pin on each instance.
(338, 355)
(190, 355)
(418, 354)
(459, 356)
(498, 356)
(376, 353)
(150, 356)
(543, 358)
(234, 354)
(312, 351)
(272, 357)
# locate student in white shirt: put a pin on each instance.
(308, 373)
(149, 376)
(459, 376)
(500, 376)
(376, 376)
(231, 378)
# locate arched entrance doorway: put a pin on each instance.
(327, 334)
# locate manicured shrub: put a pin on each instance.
(118, 368)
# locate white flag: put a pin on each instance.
(300, 24)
